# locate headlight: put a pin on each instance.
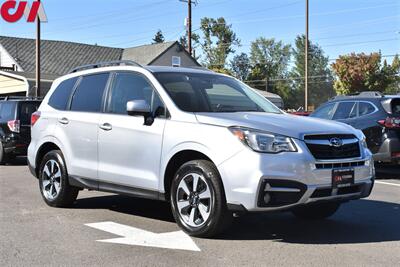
(363, 142)
(264, 142)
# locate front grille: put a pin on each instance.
(327, 192)
(321, 148)
(339, 165)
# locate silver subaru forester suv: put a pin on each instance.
(205, 142)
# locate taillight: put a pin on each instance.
(390, 122)
(14, 126)
(35, 117)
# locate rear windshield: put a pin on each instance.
(7, 111)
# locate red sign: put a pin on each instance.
(13, 11)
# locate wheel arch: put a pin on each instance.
(42, 151)
(178, 159)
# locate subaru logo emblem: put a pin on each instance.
(336, 142)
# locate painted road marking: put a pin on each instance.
(386, 183)
(138, 237)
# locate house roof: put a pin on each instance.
(58, 57)
(146, 54)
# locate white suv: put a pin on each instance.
(203, 141)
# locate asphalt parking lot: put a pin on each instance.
(362, 233)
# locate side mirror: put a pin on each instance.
(140, 108)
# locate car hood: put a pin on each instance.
(283, 124)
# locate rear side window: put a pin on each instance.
(88, 95)
(25, 112)
(345, 110)
(365, 108)
(7, 111)
(59, 99)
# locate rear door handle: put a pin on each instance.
(106, 127)
(63, 121)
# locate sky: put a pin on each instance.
(338, 26)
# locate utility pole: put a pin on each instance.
(38, 56)
(306, 63)
(189, 24)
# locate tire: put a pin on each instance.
(53, 181)
(206, 203)
(317, 211)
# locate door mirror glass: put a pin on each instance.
(138, 108)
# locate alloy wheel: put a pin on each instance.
(51, 179)
(194, 200)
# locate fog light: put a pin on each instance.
(267, 198)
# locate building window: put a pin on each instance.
(176, 61)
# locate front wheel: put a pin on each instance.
(53, 181)
(198, 199)
(316, 211)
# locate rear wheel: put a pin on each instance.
(317, 211)
(198, 200)
(53, 181)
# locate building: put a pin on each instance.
(18, 60)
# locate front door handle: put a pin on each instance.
(106, 127)
(63, 121)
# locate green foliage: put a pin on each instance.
(269, 59)
(158, 38)
(320, 86)
(240, 66)
(218, 41)
(362, 72)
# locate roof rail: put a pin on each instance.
(370, 94)
(6, 98)
(105, 64)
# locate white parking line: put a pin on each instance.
(386, 183)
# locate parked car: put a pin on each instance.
(15, 126)
(204, 141)
(377, 115)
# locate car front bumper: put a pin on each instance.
(386, 151)
(291, 179)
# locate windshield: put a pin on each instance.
(195, 92)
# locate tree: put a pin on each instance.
(240, 66)
(183, 40)
(218, 41)
(393, 72)
(269, 59)
(361, 72)
(320, 85)
(158, 38)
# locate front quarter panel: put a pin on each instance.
(217, 143)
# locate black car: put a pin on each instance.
(377, 115)
(15, 126)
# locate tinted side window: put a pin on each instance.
(129, 86)
(25, 112)
(88, 95)
(365, 108)
(59, 99)
(7, 111)
(344, 110)
(324, 112)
